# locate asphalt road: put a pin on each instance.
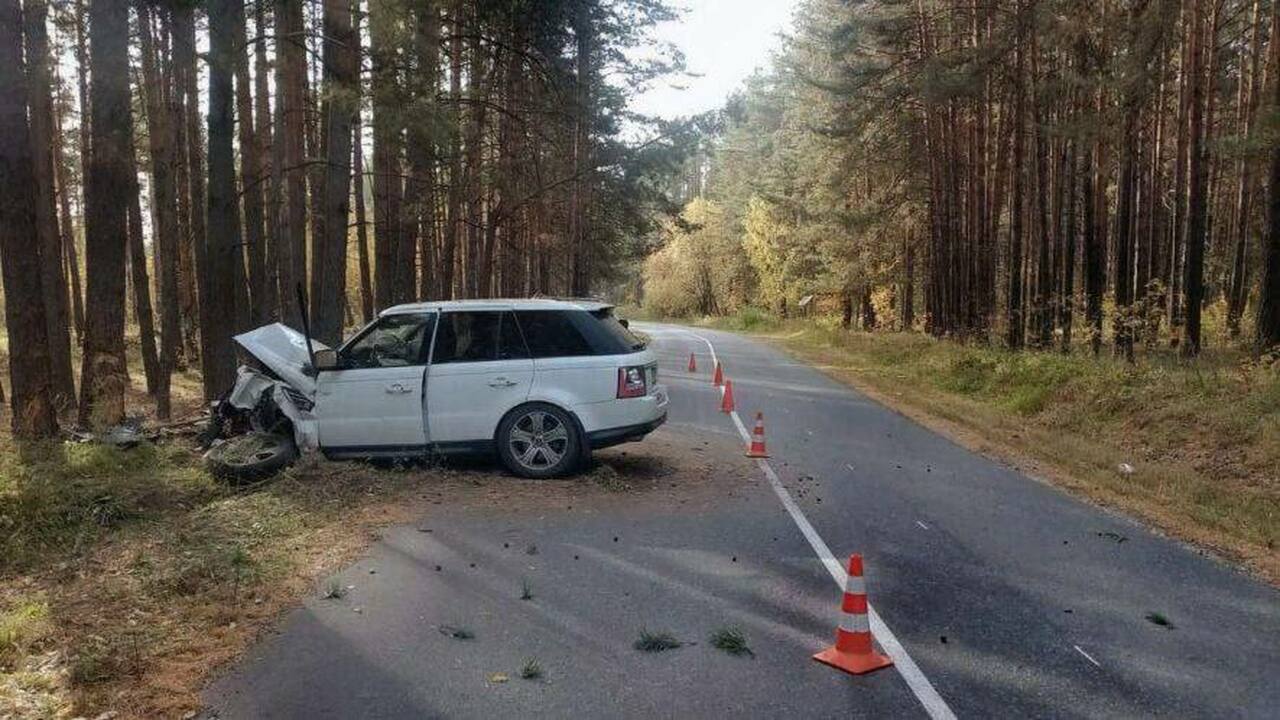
(1010, 598)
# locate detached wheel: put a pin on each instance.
(251, 456)
(539, 441)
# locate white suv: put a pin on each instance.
(542, 382)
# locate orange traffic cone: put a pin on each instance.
(757, 439)
(693, 364)
(718, 378)
(726, 403)
(853, 652)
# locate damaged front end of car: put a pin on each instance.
(261, 424)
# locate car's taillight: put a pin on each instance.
(631, 382)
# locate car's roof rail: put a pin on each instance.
(563, 298)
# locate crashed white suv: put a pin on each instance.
(542, 382)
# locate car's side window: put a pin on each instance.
(552, 333)
(467, 337)
(394, 341)
(511, 345)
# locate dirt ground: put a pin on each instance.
(118, 637)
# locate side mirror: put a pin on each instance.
(326, 359)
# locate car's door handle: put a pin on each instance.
(500, 382)
(398, 388)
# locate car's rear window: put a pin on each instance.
(572, 333)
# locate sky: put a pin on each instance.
(723, 41)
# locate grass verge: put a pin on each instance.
(1192, 448)
(125, 575)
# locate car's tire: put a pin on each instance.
(539, 440)
(251, 456)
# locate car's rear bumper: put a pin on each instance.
(628, 433)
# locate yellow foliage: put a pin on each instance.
(700, 268)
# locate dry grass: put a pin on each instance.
(1203, 438)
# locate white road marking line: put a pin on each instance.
(1086, 655)
(924, 691)
(926, 527)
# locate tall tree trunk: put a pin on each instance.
(362, 224)
(32, 413)
(421, 141)
(251, 313)
(267, 298)
(454, 227)
(1238, 293)
(909, 280)
(102, 379)
(1267, 327)
(162, 143)
(190, 178)
(341, 103)
(584, 114)
(475, 173)
(53, 281)
(218, 277)
(1123, 281)
(1197, 209)
(70, 266)
(387, 182)
(291, 75)
(1015, 332)
(140, 283)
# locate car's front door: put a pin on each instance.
(480, 368)
(373, 401)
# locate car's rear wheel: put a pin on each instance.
(539, 441)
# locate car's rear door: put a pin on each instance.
(480, 369)
(373, 402)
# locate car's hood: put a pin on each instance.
(284, 351)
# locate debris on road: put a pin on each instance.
(1156, 618)
(531, 670)
(457, 633)
(731, 640)
(656, 641)
(333, 590)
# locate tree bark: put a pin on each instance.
(267, 302)
(139, 281)
(162, 143)
(290, 135)
(32, 414)
(1267, 327)
(192, 181)
(362, 223)
(341, 103)
(1015, 331)
(102, 379)
(250, 313)
(71, 267)
(387, 181)
(453, 228)
(223, 249)
(1197, 208)
(52, 279)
